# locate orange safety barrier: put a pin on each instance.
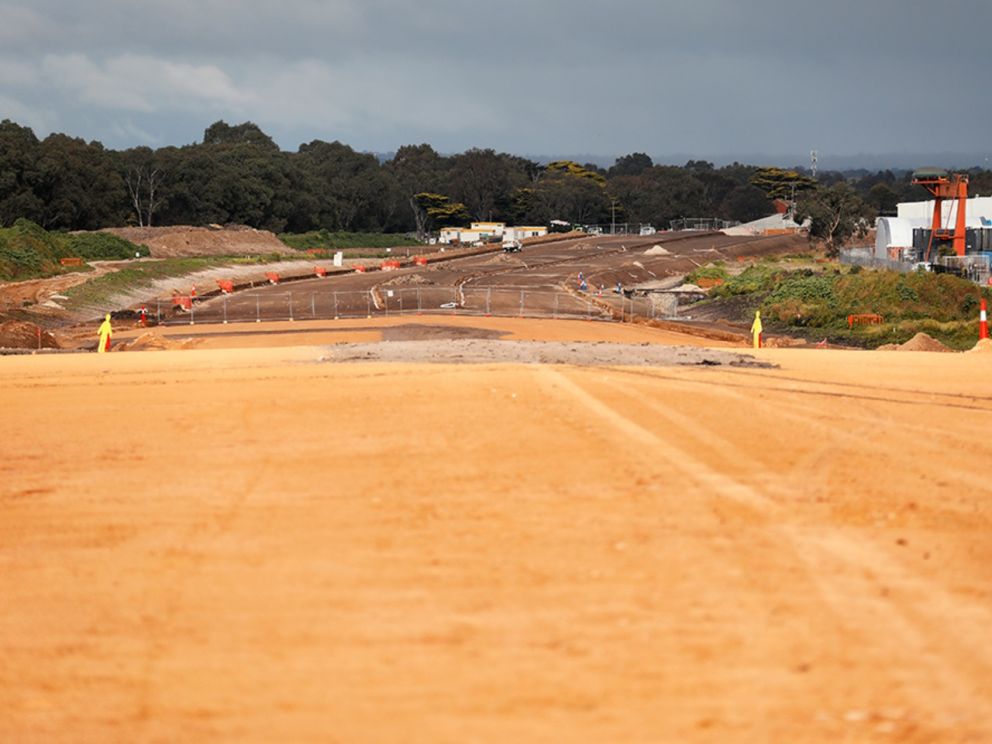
(863, 319)
(709, 282)
(420, 260)
(71, 261)
(226, 286)
(182, 301)
(360, 269)
(319, 271)
(390, 265)
(272, 276)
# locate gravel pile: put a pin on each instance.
(481, 351)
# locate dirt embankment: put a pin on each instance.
(183, 240)
(16, 334)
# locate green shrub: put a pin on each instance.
(28, 251)
(709, 271)
(756, 278)
(333, 241)
(99, 245)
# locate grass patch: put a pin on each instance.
(28, 251)
(710, 273)
(325, 240)
(814, 301)
(957, 334)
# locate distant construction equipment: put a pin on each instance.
(943, 186)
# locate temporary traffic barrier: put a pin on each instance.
(983, 322)
(390, 264)
(272, 276)
(420, 260)
(226, 285)
(360, 269)
(863, 319)
(320, 271)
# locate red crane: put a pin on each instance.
(943, 185)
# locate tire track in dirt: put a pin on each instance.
(797, 407)
(834, 437)
(804, 391)
(687, 465)
(853, 577)
(904, 617)
(184, 560)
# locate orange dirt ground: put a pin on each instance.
(252, 545)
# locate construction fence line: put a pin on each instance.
(977, 267)
(248, 307)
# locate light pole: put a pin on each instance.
(613, 216)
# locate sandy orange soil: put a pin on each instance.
(252, 545)
(358, 330)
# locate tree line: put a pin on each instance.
(238, 174)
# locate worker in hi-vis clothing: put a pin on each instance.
(105, 333)
(756, 329)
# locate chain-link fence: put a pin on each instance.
(976, 266)
(866, 260)
(619, 228)
(502, 301)
(702, 223)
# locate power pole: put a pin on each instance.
(812, 163)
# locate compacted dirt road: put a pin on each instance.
(270, 545)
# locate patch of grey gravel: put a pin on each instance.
(482, 351)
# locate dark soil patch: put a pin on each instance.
(414, 332)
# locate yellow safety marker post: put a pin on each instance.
(105, 332)
(756, 329)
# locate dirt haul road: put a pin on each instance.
(256, 545)
(541, 280)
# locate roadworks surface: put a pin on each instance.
(260, 545)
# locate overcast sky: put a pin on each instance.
(707, 78)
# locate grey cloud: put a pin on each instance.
(713, 76)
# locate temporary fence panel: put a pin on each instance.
(255, 306)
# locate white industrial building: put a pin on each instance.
(483, 232)
(893, 234)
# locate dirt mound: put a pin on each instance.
(151, 341)
(183, 240)
(984, 345)
(657, 250)
(920, 342)
(17, 334)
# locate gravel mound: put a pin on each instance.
(482, 351)
(657, 250)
